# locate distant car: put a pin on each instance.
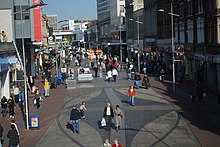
(84, 75)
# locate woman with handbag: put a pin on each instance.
(118, 118)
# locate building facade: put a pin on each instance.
(134, 27)
(8, 58)
(104, 23)
(199, 33)
(52, 21)
(150, 21)
(196, 39)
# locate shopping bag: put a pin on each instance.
(103, 122)
(35, 101)
(41, 99)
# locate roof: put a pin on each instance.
(7, 47)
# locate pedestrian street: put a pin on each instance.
(153, 121)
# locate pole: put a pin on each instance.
(96, 37)
(120, 38)
(173, 57)
(56, 48)
(138, 37)
(25, 75)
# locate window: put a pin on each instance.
(190, 7)
(210, 32)
(176, 33)
(200, 6)
(181, 8)
(182, 36)
(200, 30)
(25, 14)
(190, 31)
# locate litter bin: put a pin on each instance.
(34, 122)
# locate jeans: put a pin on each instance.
(137, 84)
(75, 125)
(4, 112)
(132, 100)
(64, 81)
(47, 92)
(109, 79)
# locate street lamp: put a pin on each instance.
(172, 42)
(138, 37)
(24, 62)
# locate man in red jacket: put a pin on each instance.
(131, 94)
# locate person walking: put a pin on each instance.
(114, 74)
(108, 115)
(131, 94)
(109, 76)
(13, 137)
(64, 78)
(200, 91)
(59, 78)
(31, 81)
(162, 75)
(11, 105)
(21, 102)
(16, 126)
(106, 143)
(46, 88)
(95, 68)
(118, 118)
(16, 93)
(137, 80)
(116, 143)
(82, 107)
(52, 82)
(1, 134)
(37, 98)
(4, 106)
(146, 81)
(193, 93)
(74, 117)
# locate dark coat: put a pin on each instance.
(105, 110)
(13, 137)
(1, 130)
(4, 102)
(11, 103)
(75, 114)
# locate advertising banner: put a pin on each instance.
(37, 21)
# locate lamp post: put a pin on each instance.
(172, 43)
(24, 61)
(138, 37)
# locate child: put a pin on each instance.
(82, 108)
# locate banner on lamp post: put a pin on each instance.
(37, 21)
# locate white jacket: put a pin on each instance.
(114, 72)
(109, 74)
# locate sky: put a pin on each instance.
(71, 9)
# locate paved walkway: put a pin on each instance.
(159, 118)
(141, 123)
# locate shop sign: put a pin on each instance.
(150, 42)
